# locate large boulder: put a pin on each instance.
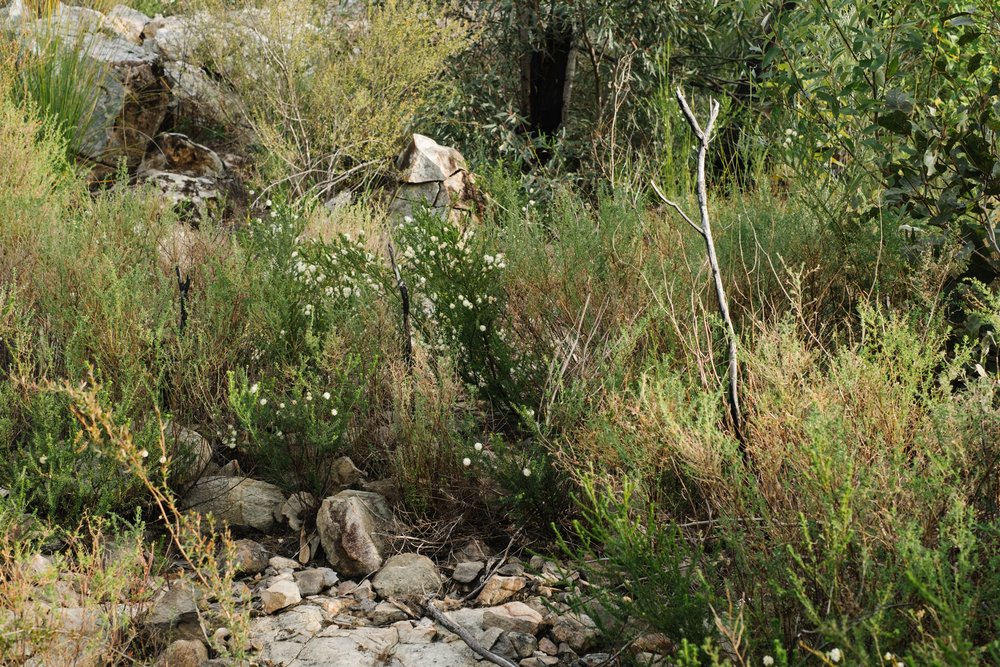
(433, 176)
(236, 501)
(353, 526)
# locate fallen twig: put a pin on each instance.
(463, 634)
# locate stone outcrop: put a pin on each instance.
(436, 177)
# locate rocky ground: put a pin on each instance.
(348, 591)
(354, 599)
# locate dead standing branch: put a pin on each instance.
(704, 136)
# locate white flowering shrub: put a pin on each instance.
(534, 488)
(459, 305)
(296, 426)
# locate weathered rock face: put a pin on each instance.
(434, 176)
(182, 169)
(236, 501)
(352, 527)
(132, 96)
(407, 576)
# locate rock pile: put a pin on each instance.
(141, 84)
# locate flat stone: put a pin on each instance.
(279, 595)
(513, 617)
(499, 589)
(407, 576)
(467, 572)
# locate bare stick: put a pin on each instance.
(705, 229)
(464, 635)
(404, 294)
(676, 207)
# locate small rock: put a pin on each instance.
(546, 646)
(515, 645)
(315, 581)
(513, 617)
(594, 660)
(467, 572)
(499, 589)
(249, 557)
(407, 575)
(280, 563)
(183, 653)
(578, 631)
(280, 595)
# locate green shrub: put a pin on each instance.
(329, 103)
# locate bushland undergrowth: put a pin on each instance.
(565, 376)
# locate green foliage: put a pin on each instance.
(459, 304)
(646, 573)
(297, 426)
(329, 102)
(59, 77)
(900, 116)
